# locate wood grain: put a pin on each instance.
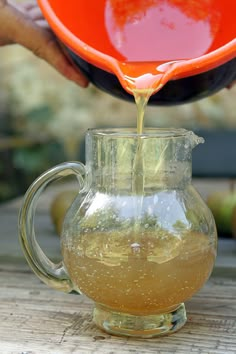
(37, 320)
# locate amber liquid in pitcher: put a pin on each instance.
(144, 277)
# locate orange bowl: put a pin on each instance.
(198, 36)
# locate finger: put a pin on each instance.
(56, 58)
(231, 85)
(43, 24)
(17, 6)
(46, 47)
(28, 5)
(35, 13)
(30, 9)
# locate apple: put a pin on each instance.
(59, 207)
(222, 204)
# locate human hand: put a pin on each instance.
(24, 24)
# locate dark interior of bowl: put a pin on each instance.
(175, 92)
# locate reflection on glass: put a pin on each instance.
(151, 30)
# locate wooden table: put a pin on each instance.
(37, 320)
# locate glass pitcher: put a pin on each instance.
(138, 239)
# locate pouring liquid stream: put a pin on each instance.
(142, 87)
(180, 31)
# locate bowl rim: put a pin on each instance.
(180, 69)
(148, 133)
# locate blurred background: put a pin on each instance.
(44, 117)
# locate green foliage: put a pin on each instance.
(39, 115)
(7, 191)
(37, 158)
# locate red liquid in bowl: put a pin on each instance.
(133, 38)
(150, 30)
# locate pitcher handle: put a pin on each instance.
(52, 274)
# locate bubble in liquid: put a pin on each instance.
(135, 247)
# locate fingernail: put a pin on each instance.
(79, 79)
(82, 82)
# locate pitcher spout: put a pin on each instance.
(194, 139)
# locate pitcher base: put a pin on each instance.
(147, 326)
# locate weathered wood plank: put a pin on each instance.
(35, 319)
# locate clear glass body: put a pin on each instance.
(141, 241)
(138, 240)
